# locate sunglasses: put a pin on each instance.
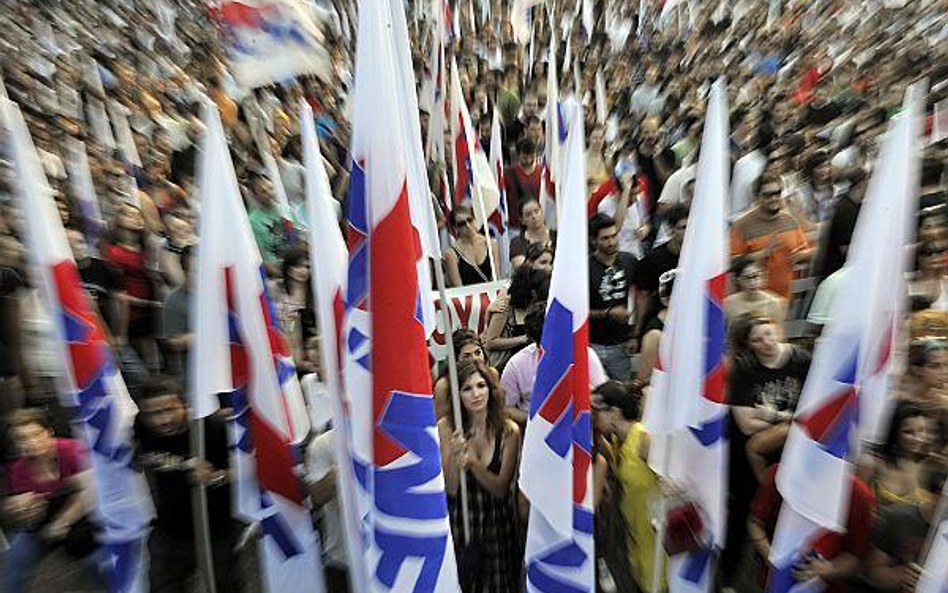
(463, 221)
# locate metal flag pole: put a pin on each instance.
(202, 530)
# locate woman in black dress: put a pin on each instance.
(468, 261)
(487, 448)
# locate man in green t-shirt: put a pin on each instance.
(269, 226)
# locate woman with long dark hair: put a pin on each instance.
(506, 332)
(892, 470)
(486, 448)
(294, 301)
(468, 261)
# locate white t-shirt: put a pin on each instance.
(746, 171)
(320, 460)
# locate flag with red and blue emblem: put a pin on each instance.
(556, 473)
(686, 413)
(327, 246)
(240, 351)
(434, 90)
(402, 507)
(842, 398)
(92, 385)
(497, 219)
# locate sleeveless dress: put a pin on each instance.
(470, 273)
(494, 532)
(639, 486)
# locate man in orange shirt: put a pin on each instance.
(772, 235)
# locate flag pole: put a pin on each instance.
(455, 390)
(656, 586)
(202, 531)
(482, 211)
(939, 513)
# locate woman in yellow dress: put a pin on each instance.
(617, 416)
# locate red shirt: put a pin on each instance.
(71, 457)
(132, 265)
(521, 185)
(857, 539)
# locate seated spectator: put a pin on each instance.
(900, 534)
(163, 433)
(50, 499)
(833, 558)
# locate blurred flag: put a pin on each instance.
(118, 113)
(434, 90)
(497, 219)
(239, 349)
(602, 110)
(270, 41)
(844, 391)
(474, 182)
(934, 577)
(521, 19)
(92, 383)
(328, 248)
(424, 225)
(77, 165)
(555, 474)
(686, 414)
(555, 139)
(407, 536)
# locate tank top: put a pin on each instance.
(470, 273)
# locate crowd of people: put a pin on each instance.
(812, 85)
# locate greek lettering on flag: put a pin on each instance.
(557, 456)
(687, 413)
(92, 383)
(239, 349)
(402, 504)
(852, 358)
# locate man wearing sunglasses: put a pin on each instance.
(772, 235)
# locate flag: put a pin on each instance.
(602, 111)
(425, 227)
(497, 219)
(842, 392)
(555, 138)
(118, 113)
(405, 526)
(80, 178)
(555, 473)
(92, 385)
(436, 90)
(589, 18)
(328, 248)
(239, 350)
(934, 577)
(473, 179)
(521, 19)
(686, 414)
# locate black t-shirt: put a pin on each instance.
(609, 286)
(839, 234)
(101, 280)
(753, 384)
(164, 459)
(652, 266)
